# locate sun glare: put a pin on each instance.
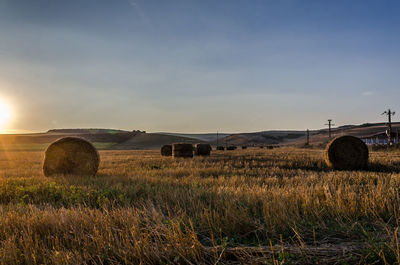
(5, 115)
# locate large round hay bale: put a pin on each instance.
(71, 156)
(202, 149)
(347, 152)
(182, 150)
(166, 150)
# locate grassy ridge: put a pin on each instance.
(24, 147)
(253, 206)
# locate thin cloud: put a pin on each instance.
(139, 10)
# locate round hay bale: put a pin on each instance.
(220, 148)
(182, 150)
(166, 150)
(71, 156)
(347, 152)
(203, 149)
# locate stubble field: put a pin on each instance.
(252, 206)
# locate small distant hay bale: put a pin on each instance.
(202, 149)
(244, 147)
(270, 147)
(346, 153)
(182, 150)
(71, 156)
(220, 148)
(261, 147)
(166, 150)
(231, 148)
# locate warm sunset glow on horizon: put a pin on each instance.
(5, 115)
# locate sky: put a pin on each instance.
(198, 66)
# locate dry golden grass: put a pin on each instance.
(254, 206)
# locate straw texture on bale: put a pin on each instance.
(182, 150)
(347, 152)
(202, 149)
(166, 150)
(71, 156)
(220, 148)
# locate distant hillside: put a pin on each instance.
(124, 140)
(152, 141)
(299, 137)
(256, 138)
(361, 131)
(262, 138)
(207, 137)
(86, 131)
(102, 139)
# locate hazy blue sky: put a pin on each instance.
(198, 66)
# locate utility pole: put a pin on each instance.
(389, 113)
(330, 127)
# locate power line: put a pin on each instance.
(389, 113)
(330, 127)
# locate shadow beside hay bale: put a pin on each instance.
(182, 150)
(71, 156)
(166, 150)
(382, 168)
(347, 153)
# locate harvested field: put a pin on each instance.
(253, 206)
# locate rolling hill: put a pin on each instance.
(111, 139)
(107, 139)
(152, 141)
(206, 137)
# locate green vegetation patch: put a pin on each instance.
(50, 193)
